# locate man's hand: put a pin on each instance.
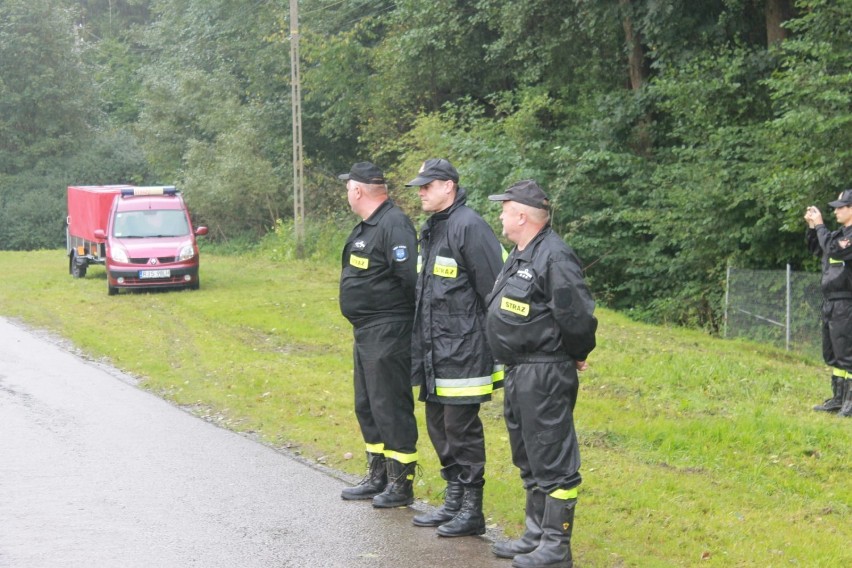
(813, 217)
(581, 365)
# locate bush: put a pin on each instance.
(323, 241)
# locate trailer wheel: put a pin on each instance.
(77, 269)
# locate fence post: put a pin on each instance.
(789, 309)
(727, 292)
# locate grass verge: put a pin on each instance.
(696, 451)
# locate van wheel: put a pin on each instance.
(111, 290)
(197, 284)
(77, 270)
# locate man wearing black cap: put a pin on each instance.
(541, 325)
(377, 296)
(836, 252)
(459, 259)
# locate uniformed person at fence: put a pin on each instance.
(541, 325)
(459, 259)
(377, 283)
(835, 249)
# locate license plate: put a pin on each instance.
(155, 273)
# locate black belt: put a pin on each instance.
(540, 358)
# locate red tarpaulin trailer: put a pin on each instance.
(88, 210)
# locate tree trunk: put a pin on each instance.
(635, 54)
(637, 73)
(777, 12)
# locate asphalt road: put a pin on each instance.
(96, 472)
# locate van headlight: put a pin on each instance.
(118, 254)
(187, 251)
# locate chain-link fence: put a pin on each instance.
(775, 306)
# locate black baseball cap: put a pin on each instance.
(365, 172)
(432, 169)
(527, 192)
(843, 200)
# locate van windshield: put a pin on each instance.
(150, 223)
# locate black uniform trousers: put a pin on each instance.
(384, 401)
(459, 440)
(539, 411)
(837, 333)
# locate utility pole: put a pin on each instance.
(298, 162)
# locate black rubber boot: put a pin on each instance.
(846, 409)
(533, 513)
(554, 551)
(469, 520)
(399, 491)
(452, 504)
(834, 403)
(373, 483)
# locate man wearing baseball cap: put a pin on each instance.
(541, 325)
(459, 259)
(377, 296)
(836, 253)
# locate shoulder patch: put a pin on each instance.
(526, 274)
(400, 253)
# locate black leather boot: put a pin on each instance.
(554, 551)
(452, 504)
(399, 491)
(834, 403)
(469, 520)
(533, 513)
(846, 409)
(373, 483)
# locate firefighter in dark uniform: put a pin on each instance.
(459, 259)
(377, 283)
(541, 325)
(835, 248)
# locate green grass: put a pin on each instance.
(696, 451)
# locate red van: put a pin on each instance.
(149, 241)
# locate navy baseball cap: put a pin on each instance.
(843, 200)
(527, 192)
(365, 172)
(432, 169)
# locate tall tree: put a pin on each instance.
(46, 101)
(808, 143)
(213, 97)
(46, 114)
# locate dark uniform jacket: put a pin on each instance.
(378, 273)
(540, 309)
(835, 248)
(459, 260)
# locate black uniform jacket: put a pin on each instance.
(835, 248)
(379, 269)
(459, 260)
(541, 309)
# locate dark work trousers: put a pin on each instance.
(837, 333)
(459, 440)
(384, 401)
(538, 407)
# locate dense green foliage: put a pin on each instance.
(675, 137)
